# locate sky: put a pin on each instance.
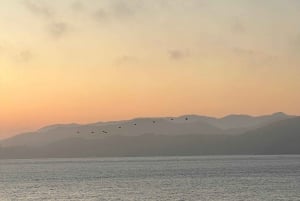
(89, 60)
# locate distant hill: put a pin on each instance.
(135, 127)
(183, 125)
(246, 122)
(280, 137)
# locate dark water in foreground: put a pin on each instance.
(232, 178)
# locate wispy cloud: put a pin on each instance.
(77, 6)
(58, 29)
(54, 26)
(177, 54)
(122, 9)
(123, 60)
(238, 27)
(15, 54)
(253, 58)
(23, 56)
(39, 8)
(100, 15)
(118, 10)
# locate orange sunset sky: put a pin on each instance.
(89, 60)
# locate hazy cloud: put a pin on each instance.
(122, 9)
(58, 29)
(15, 54)
(238, 27)
(55, 27)
(38, 8)
(254, 58)
(118, 10)
(126, 60)
(178, 54)
(24, 56)
(77, 6)
(100, 15)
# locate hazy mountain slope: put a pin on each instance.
(183, 125)
(278, 138)
(234, 122)
(135, 127)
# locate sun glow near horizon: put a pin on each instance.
(88, 61)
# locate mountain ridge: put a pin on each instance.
(281, 137)
(181, 125)
(52, 126)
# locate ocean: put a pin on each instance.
(194, 178)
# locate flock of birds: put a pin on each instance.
(106, 132)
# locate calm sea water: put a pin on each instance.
(232, 178)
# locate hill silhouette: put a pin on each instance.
(280, 137)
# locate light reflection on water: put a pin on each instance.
(210, 178)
